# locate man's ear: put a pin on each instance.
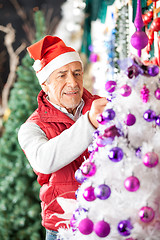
(44, 86)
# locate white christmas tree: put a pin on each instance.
(119, 197)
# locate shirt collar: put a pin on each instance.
(77, 114)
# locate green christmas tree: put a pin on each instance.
(20, 217)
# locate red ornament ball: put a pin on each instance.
(155, 26)
(86, 226)
(102, 229)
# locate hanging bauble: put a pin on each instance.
(112, 132)
(124, 228)
(88, 169)
(157, 121)
(150, 159)
(132, 184)
(153, 70)
(106, 116)
(157, 93)
(88, 194)
(115, 154)
(78, 212)
(155, 26)
(102, 229)
(86, 226)
(146, 214)
(149, 115)
(110, 86)
(139, 40)
(102, 191)
(125, 90)
(132, 71)
(145, 94)
(130, 120)
(147, 18)
(79, 176)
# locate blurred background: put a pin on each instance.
(100, 30)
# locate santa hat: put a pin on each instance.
(51, 53)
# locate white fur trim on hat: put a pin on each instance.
(37, 65)
(56, 63)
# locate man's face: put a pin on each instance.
(65, 86)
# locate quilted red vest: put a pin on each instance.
(59, 187)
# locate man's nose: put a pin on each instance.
(71, 80)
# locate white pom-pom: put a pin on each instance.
(37, 65)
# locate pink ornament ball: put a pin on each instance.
(88, 169)
(157, 93)
(132, 184)
(86, 226)
(110, 86)
(102, 229)
(125, 90)
(146, 214)
(93, 57)
(88, 194)
(150, 159)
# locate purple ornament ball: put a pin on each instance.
(86, 226)
(106, 116)
(125, 90)
(102, 229)
(157, 93)
(132, 184)
(115, 154)
(153, 70)
(124, 228)
(88, 194)
(139, 40)
(88, 169)
(146, 214)
(149, 115)
(79, 176)
(110, 86)
(102, 191)
(130, 120)
(150, 159)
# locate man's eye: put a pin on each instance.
(77, 74)
(61, 76)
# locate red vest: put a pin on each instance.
(61, 185)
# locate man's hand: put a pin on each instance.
(97, 107)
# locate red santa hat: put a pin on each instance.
(51, 53)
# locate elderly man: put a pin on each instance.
(56, 136)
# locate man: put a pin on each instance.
(56, 136)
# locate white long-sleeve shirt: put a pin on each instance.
(47, 156)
